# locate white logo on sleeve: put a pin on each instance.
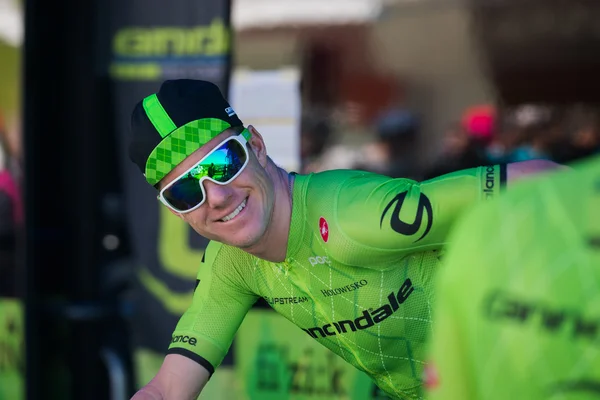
(230, 111)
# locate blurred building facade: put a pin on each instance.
(357, 63)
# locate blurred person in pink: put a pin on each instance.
(479, 122)
(465, 143)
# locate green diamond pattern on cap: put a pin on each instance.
(182, 142)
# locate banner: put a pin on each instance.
(276, 360)
(151, 41)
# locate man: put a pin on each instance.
(347, 256)
(517, 311)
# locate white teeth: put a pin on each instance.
(235, 212)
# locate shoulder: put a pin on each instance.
(334, 186)
(227, 268)
(344, 208)
(223, 258)
(344, 196)
(337, 178)
(323, 192)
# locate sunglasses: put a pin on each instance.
(221, 166)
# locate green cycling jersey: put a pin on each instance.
(361, 255)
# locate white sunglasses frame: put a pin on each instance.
(241, 140)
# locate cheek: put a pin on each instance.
(262, 184)
(255, 175)
(268, 187)
(195, 219)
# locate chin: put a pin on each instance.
(246, 237)
(246, 232)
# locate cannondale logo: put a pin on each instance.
(409, 229)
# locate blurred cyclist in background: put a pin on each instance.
(517, 313)
(393, 153)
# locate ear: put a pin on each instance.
(257, 144)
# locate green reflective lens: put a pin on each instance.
(222, 165)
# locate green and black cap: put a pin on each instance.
(170, 125)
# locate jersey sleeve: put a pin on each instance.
(221, 300)
(401, 216)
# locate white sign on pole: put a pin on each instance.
(270, 101)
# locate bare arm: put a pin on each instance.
(524, 169)
(178, 378)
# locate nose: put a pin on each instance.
(217, 196)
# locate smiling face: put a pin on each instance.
(238, 213)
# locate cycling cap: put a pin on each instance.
(168, 126)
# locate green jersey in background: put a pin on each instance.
(517, 313)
